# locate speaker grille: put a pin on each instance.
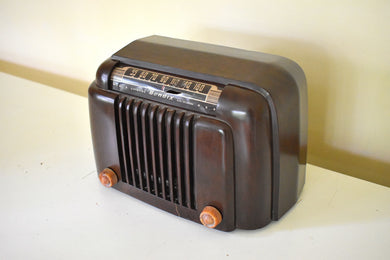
(156, 149)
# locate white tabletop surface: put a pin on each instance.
(53, 206)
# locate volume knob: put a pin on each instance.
(210, 217)
(108, 177)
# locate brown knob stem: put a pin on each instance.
(210, 217)
(108, 177)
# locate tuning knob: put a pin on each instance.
(108, 177)
(210, 217)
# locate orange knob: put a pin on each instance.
(210, 217)
(108, 177)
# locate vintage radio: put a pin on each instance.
(213, 134)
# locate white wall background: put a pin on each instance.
(343, 46)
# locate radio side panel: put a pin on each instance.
(248, 115)
(102, 118)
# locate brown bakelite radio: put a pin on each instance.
(213, 134)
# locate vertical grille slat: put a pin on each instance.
(138, 136)
(179, 158)
(145, 143)
(155, 149)
(130, 150)
(161, 149)
(187, 160)
(169, 151)
(152, 134)
(121, 133)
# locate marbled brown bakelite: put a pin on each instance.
(246, 159)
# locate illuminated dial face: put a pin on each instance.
(192, 94)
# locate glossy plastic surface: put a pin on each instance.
(248, 157)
